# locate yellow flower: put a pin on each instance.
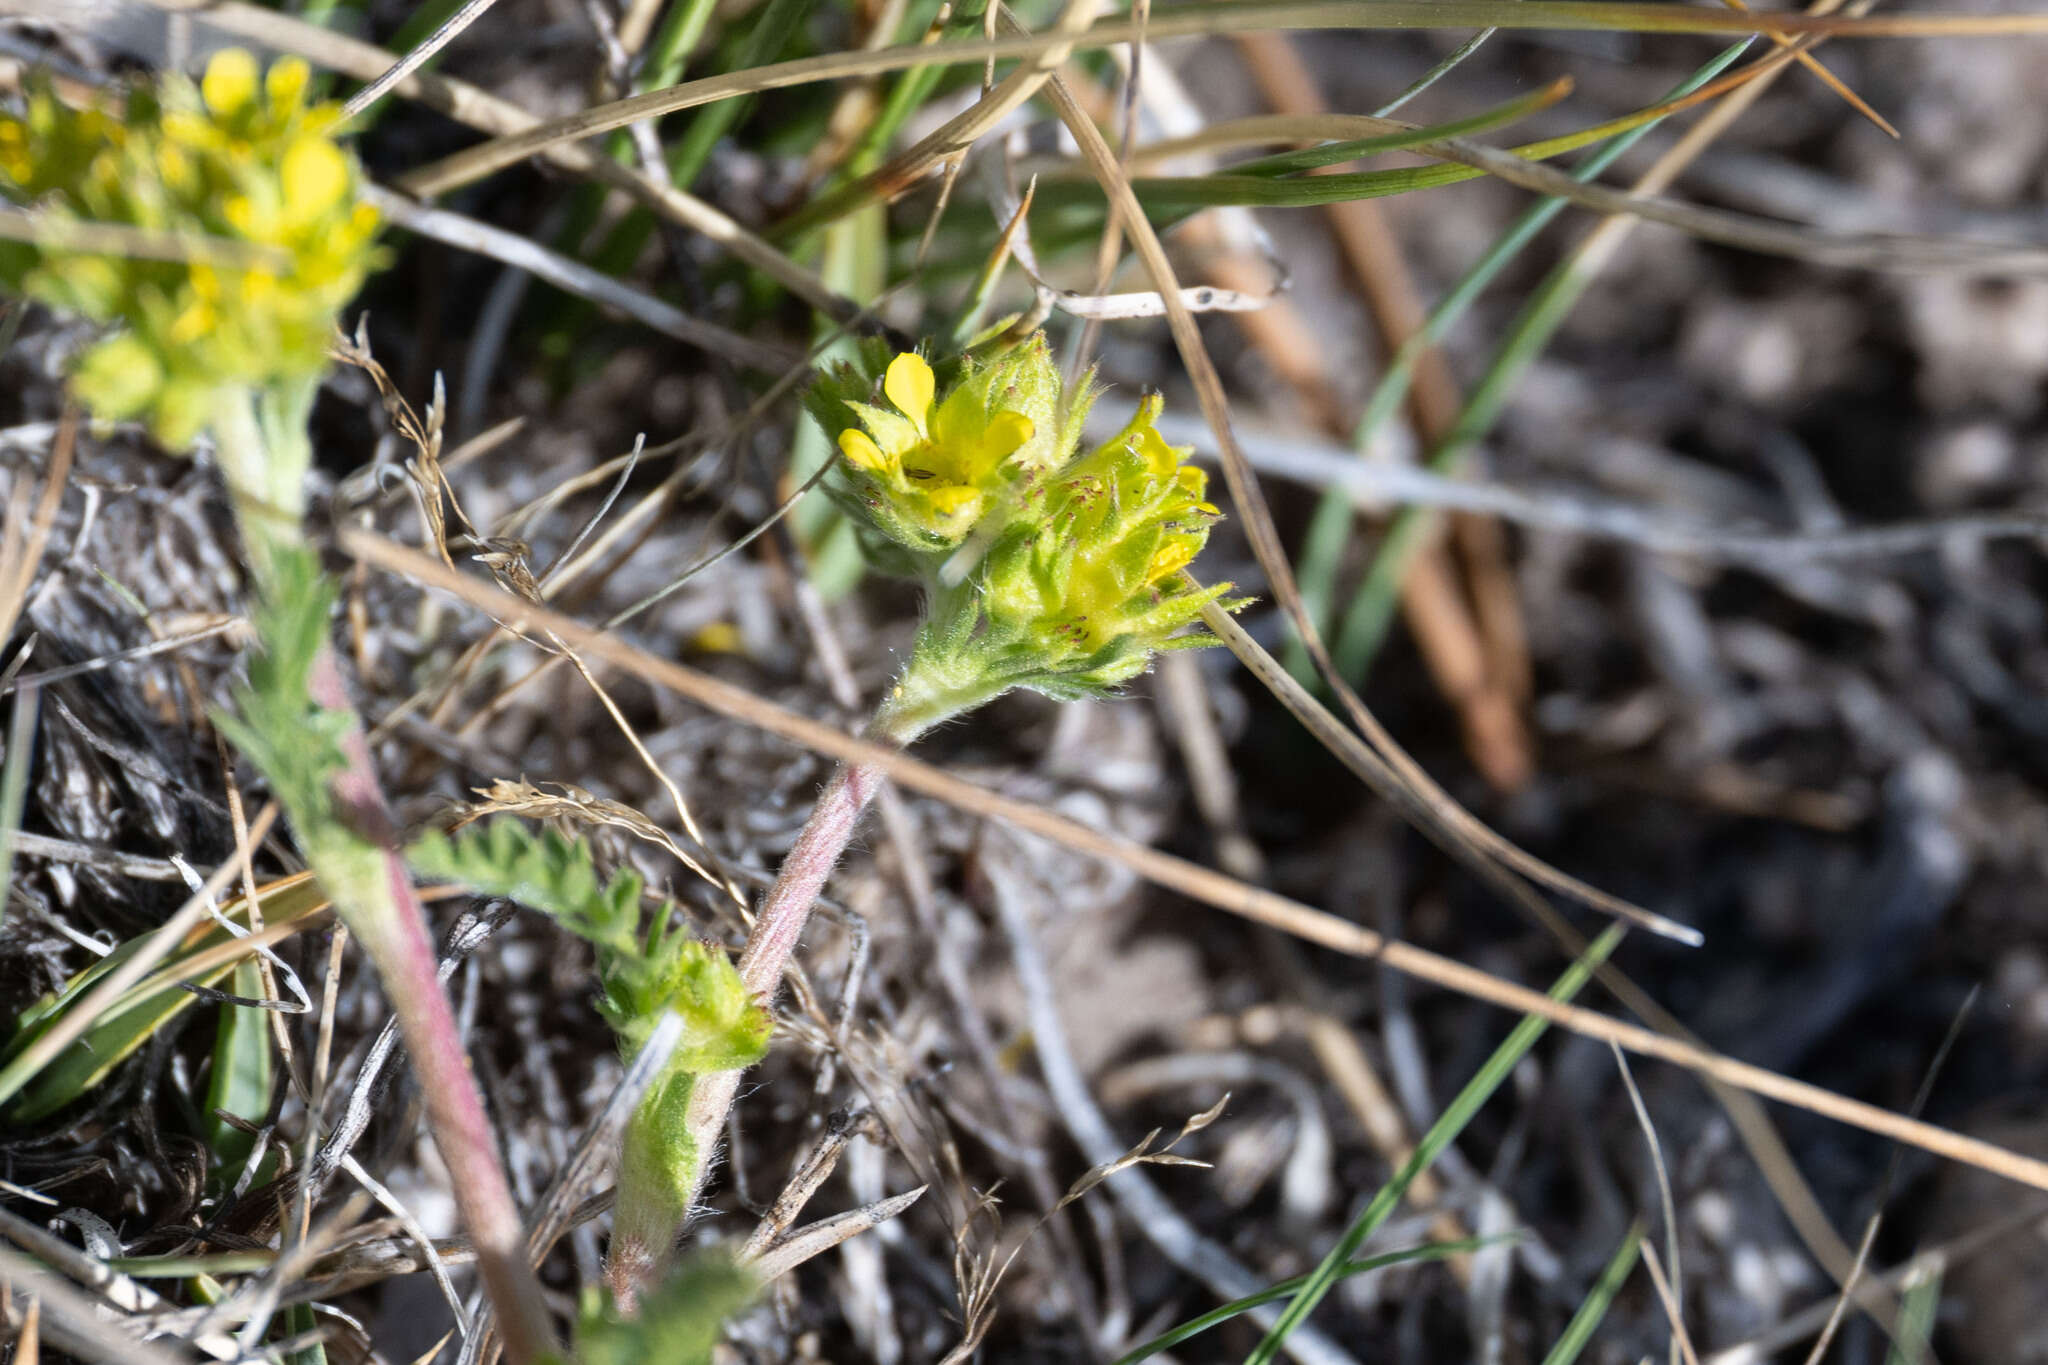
(243, 157)
(1102, 569)
(229, 83)
(941, 462)
(1080, 593)
(936, 464)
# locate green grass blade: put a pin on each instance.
(298, 1320)
(130, 1020)
(621, 246)
(242, 1077)
(1331, 153)
(21, 736)
(1195, 1326)
(1440, 1135)
(1587, 1320)
(1331, 527)
(1917, 1308)
(681, 29)
(770, 34)
(187, 1267)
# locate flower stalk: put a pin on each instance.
(1043, 568)
(232, 344)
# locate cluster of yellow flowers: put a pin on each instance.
(246, 159)
(1089, 586)
(1076, 581)
(1046, 567)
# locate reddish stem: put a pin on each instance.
(809, 862)
(392, 926)
(639, 1253)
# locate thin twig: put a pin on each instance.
(451, 28)
(573, 277)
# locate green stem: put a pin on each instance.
(260, 442)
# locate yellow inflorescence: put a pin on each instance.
(1069, 563)
(245, 157)
(1091, 585)
(939, 464)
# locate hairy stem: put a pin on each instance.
(384, 912)
(264, 453)
(643, 1235)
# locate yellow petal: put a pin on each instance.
(1170, 558)
(315, 176)
(1006, 432)
(720, 637)
(948, 499)
(862, 452)
(230, 81)
(1160, 458)
(910, 386)
(286, 84)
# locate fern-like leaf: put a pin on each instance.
(642, 972)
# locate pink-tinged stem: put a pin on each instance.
(392, 926)
(638, 1254)
(809, 862)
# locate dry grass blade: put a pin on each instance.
(573, 277)
(73, 1321)
(1826, 77)
(23, 538)
(1391, 772)
(960, 132)
(490, 114)
(477, 162)
(817, 1238)
(1681, 1339)
(1429, 807)
(1477, 651)
(143, 244)
(1177, 874)
(451, 28)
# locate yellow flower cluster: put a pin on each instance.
(923, 471)
(1084, 591)
(245, 158)
(939, 461)
(1045, 567)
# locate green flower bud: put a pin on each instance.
(722, 1026)
(243, 158)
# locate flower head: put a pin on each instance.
(244, 158)
(1092, 588)
(924, 469)
(1080, 591)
